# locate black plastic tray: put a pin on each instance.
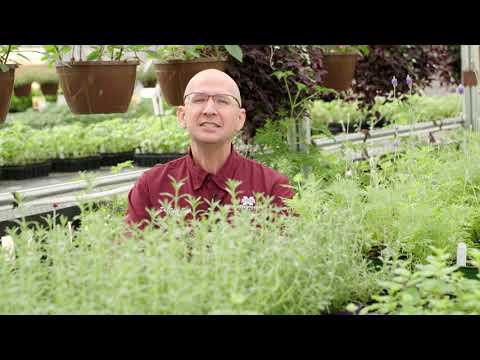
(112, 159)
(25, 171)
(73, 165)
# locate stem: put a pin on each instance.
(59, 54)
(271, 56)
(120, 53)
(289, 96)
(7, 54)
(102, 49)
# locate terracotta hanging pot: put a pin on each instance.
(98, 87)
(23, 90)
(173, 76)
(6, 89)
(49, 89)
(340, 70)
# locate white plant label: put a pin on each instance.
(8, 247)
(462, 254)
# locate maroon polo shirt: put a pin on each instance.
(254, 177)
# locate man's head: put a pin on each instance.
(212, 111)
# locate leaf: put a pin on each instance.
(151, 53)
(301, 87)
(282, 74)
(237, 298)
(94, 55)
(22, 56)
(4, 67)
(235, 51)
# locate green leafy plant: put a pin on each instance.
(161, 135)
(20, 104)
(117, 135)
(286, 267)
(347, 113)
(298, 135)
(190, 52)
(5, 52)
(432, 288)
(74, 141)
(425, 108)
(273, 150)
(57, 53)
(20, 145)
(55, 115)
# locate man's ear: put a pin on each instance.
(181, 116)
(241, 120)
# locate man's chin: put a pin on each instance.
(210, 140)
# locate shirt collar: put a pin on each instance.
(226, 171)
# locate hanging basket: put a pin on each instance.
(6, 88)
(49, 89)
(98, 87)
(23, 90)
(173, 76)
(340, 70)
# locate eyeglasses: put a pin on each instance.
(220, 100)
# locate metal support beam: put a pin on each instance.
(470, 69)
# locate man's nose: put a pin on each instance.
(210, 107)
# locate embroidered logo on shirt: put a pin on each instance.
(248, 202)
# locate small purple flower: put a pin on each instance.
(394, 82)
(409, 81)
(460, 89)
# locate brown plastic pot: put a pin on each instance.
(6, 88)
(340, 70)
(173, 76)
(149, 83)
(23, 90)
(98, 87)
(49, 89)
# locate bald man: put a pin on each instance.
(212, 114)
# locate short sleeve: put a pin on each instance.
(138, 202)
(282, 190)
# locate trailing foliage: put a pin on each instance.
(263, 94)
(374, 72)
